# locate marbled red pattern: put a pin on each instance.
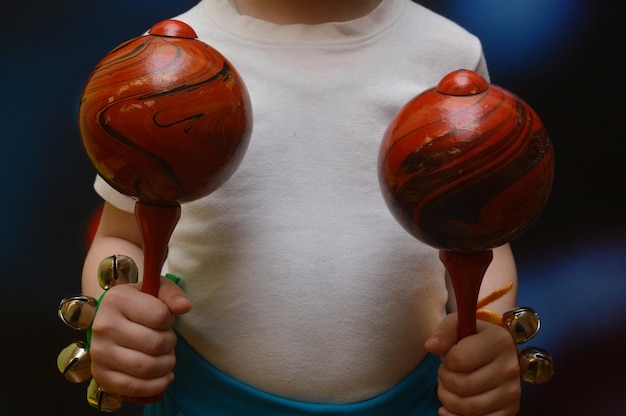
(165, 118)
(466, 166)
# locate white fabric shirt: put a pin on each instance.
(302, 283)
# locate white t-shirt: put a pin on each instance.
(302, 283)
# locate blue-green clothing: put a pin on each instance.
(200, 389)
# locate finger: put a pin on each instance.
(107, 333)
(128, 302)
(150, 311)
(444, 336)
(497, 383)
(499, 402)
(132, 363)
(479, 350)
(481, 380)
(126, 385)
(174, 297)
(461, 384)
(445, 412)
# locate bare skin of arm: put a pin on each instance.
(501, 272)
(118, 233)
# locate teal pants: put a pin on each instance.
(200, 389)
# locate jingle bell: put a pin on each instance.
(101, 400)
(78, 311)
(117, 270)
(74, 362)
(523, 324)
(536, 365)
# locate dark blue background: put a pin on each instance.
(564, 57)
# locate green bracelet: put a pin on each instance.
(173, 278)
(95, 311)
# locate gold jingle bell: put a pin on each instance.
(117, 270)
(523, 323)
(101, 400)
(536, 365)
(78, 311)
(74, 362)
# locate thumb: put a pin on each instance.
(174, 297)
(444, 336)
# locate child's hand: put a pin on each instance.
(132, 344)
(479, 374)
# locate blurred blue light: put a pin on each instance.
(518, 34)
(580, 290)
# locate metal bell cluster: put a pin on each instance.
(78, 312)
(536, 365)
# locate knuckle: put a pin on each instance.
(144, 368)
(133, 388)
(452, 384)
(101, 327)
(157, 342)
(156, 345)
(154, 367)
(513, 371)
(162, 317)
(466, 406)
(459, 362)
(140, 387)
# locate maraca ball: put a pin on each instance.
(466, 166)
(164, 117)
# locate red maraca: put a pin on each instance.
(166, 119)
(466, 167)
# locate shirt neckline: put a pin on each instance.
(224, 16)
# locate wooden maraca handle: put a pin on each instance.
(156, 222)
(466, 272)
